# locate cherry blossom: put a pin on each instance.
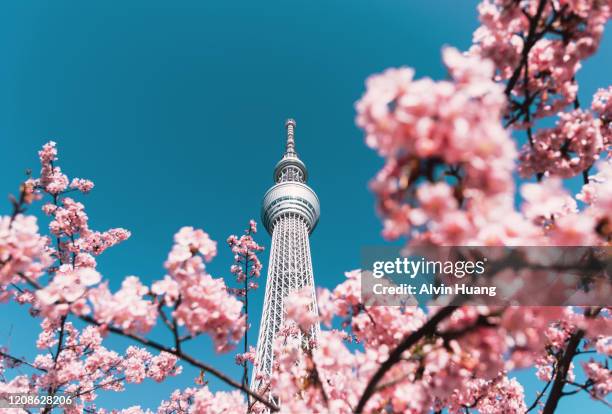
(202, 303)
(128, 308)
(203, 401)
(546, 201)
(297, 309)
(537, 47)
(601, 378)
(435, 130)
(566, 150)
(22, 249)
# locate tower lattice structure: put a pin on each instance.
(290, 212)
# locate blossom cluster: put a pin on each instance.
(429, 130)
(85, 366)
(247, 265)
(23, 251)
(572, 146)
(58, 277)
(464, 365)
(537, 47)
(200, 302)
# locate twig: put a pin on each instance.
(428, 328)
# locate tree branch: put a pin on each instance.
(20, 361)
(585, 388)
(556, 391)
(185, 357)
(540, 395)
(429, 328)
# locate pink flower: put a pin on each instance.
(22, 249)
(601, 377)
(96, 242)
(162, 366)
(546, 201)
(134, 366)
(247, 356)
(574, 230)
(326, 305)
(566, 150)
(554, 58)
(246, 263)
(82, 185)
(421, 125)
(127, 308)
(68, 287)
(298, 310)
(205, 306)
(196, 241)
(436, 199)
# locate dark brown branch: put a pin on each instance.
(556, 391)
(185, 357)
(584, 387)
(560, 378)
(540, 395)
(60, 347)
(529, 42)
(429, 328)
(20, 361)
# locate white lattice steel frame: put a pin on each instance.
(290, 212)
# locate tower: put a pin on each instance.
(290, 212)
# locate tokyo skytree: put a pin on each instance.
(290, 212)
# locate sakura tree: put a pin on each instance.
(450, 151)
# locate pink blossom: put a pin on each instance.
(571, 32)
(297, 309)
(127, 308)
(203, 401)
(68, 287)
(597, 192)
(192, 240)
(602, 106)
(246, 263)
(82, 185)
(168, 288)
(162, 366)
(436, 199)
(134, 365)
(566, 150)
(601, 377)
(22, 249)
(574, 230)
(51, 178)
(326, 306)
(96, 242)
(604, 345)
(249, 356)
(205, 306)
(69, 219)
(422, 125)
(546, 201)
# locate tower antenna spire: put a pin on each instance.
(290, 125)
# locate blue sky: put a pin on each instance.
(176, 111)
